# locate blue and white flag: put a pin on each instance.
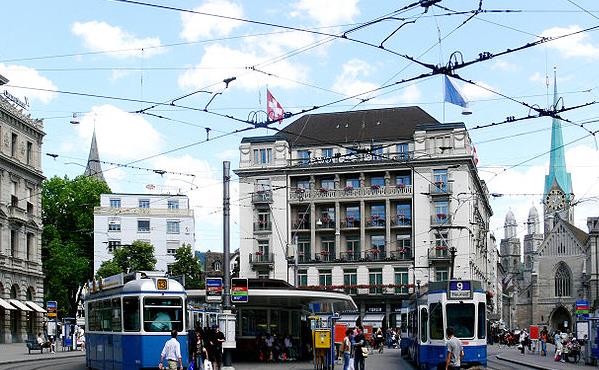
(453, 95)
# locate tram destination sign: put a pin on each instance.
(52, 307)
(239, 290)
(214, 289)
(459, 289)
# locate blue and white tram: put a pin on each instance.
(458, 304)
(130, 317)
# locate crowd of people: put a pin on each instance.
(274, 348)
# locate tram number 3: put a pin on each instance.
(162, 284)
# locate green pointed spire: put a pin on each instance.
(557, 159)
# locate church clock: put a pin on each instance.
(555, 200)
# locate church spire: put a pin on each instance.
(93, 168)
(557, 159)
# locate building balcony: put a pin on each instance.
(262, 196)
(325, 223)
(262, 226)
(304, 258)
(350, 223)
(404, 254)
(350, 256)
(440, 220)
(440, 188)
(301, 194)
(401, 221)
(259, 259)
(375, 222)
(301, 225)
(375, 255)
(439, 254)
(401, 254)
(17, 214)
(325, 256)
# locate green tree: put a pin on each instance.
(186, 263)
(139, 256)
(68, 235)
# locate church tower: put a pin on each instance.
(94, 168)
(532, 241)
(510, 246)
(557, 195)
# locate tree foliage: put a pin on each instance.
(68, 235)
(187, 264)
(139, 256)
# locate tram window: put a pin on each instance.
(295, 323)
(436, 321)
(106, 315)
(163, 314)
(423, 324)
(131, 314)
(275, 322)
(482, 322)
(461, 318)
(116, 314)
(404, 323)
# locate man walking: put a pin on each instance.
(454, 350)
(543, 338)
(359, 346)
(172, 353)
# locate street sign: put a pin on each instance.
(214, 289)
(239, 290)
(52, 308)
(460, 289)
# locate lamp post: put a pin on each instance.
(227, 318)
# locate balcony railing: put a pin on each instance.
(304, 257)
(262, 226)
(325, 223)
(301, 194)
(401, 221)
(262, 196)
(401, 254)
(350, 223)
(440, 188)
(439, 254)
(375, 255)
(376, 222)
(17, 214)
(301, 225)
(440, 219)
(259, 258)
(325, 256)
(350, 256)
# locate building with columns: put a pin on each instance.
(374, 203)
(21, 277)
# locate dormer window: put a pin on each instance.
(217, 266)
(262, 156)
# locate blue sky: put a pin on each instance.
(120, 50)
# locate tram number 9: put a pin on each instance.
(459, 286)
(162, 284)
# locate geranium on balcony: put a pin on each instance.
(375, 187)
(375, 251)
(441, 247)
(441, 216)
(403, 250)
(324, 253)
(348, 188)
(323, 190)
(401, 186)
(300, 190)
(259, 253)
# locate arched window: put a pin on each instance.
(217, 266)
(562, 281)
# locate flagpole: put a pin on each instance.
(443, 89)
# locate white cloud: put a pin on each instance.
(100, 36)
(231, 63)
(538, 77)
(28, 77)
(120, 135)
(580, 161)
(228, 154)
(411, 94)
(348, 81)
(577, 45)
(196, 26)
(504, 66)
(328, 13)
(473, 92)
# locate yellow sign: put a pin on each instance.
(162, 284)
(322, 338)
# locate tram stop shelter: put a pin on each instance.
(275, 308)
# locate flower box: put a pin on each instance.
(323, 190)
(348, 188)
(375, 187)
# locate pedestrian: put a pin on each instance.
(197, 348)
(455, 351)
(522, 339)
(172, 353)
(217, 345)
(543, 338)
(359, 349)
(345, 349)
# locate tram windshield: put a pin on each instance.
(163, 314)
(461, 318)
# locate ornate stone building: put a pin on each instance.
(21, 277)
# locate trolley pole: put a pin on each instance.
(227, 320)
(452, 252)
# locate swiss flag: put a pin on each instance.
(274, 110)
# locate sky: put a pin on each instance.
(106, 61)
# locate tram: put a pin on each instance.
(130, 317)
(460, 304)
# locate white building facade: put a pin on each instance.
(164, 220)
(21, 276)
(373, 203)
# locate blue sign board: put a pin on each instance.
(214, 289)
(460, 289)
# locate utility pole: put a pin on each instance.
(452, 252)
(227, 319)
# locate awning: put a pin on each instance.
(374, 319)
(19, 305)
(4, 304)
(348, 318)
(35, 307)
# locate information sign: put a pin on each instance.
(459, 289)
(239, 290)
(52, 308)
(214, 289)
